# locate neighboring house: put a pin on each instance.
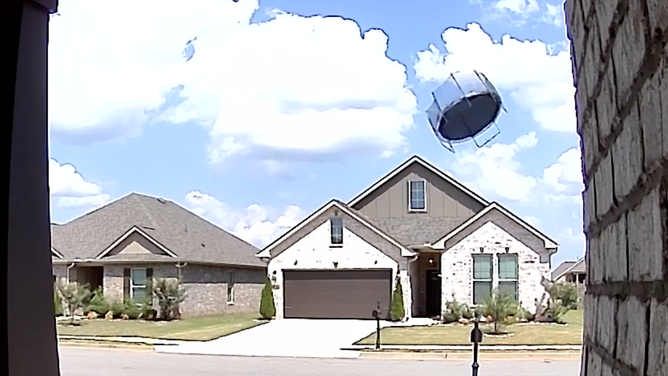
(125, 245)
(571, 271)
(418, 225)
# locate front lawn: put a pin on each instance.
(457, 334)
(196, 329)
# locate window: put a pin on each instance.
(508, 275)
(417, 199)
(336, 233)
(230, 289)
(482, 278)
(138, 284)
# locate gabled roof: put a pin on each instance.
(266, 252)
(183, 233)
(415, 159)
(549, 242)
(561, 268)
(569, 267)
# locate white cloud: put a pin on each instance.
(495, 169)
(71, 189)
(519, 12)
(539, 81)
(566, 173)
(256, 224)
(289, 89)
(532, 220)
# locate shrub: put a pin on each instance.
(566, 292)
(57, 303)
(267, 306)
(397, 311)
(74, 295)
(132, 309)
(117, 309)
(498, 307)
(170, 294)
(526, 314)
(147, 310)
(98, 303)
(455, 311)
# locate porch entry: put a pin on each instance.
(433, 292)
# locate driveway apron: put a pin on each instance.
(286, 338)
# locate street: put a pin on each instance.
(109, 362)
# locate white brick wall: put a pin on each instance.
(314, 252)
(456, 266)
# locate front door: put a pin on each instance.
(433, 293)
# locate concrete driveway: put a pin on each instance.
(287, 338)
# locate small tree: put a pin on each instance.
(566, 292)
(267, 306)
(397, 311)
(75, 296)
(170, 294)
(57, 302)
(498, 307)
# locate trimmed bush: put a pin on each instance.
(267, 306)
(455, 311)
(117, 309)
(567, 293)
(397, 311)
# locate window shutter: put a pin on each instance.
(126, 284)
(149, 284)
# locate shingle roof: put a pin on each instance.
(561, 268)
(189, 236)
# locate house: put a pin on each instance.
(125, 245)
(571, 271)
(416, 225)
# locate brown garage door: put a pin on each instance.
(336, 294)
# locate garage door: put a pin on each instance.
(336, 294)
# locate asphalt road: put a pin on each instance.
(102, 362)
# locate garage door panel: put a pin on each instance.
(336, 293)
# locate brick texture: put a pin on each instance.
(620, 66)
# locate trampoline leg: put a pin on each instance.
(498, 132)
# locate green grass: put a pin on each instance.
(457, 334)
(195, 329)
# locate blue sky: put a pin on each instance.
(280, 111)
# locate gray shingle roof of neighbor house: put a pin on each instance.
(562, 268)
(187, 235)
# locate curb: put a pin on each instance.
(497, 356)
(106, 345)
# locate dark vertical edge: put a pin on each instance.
(126, 284)
(149, 284)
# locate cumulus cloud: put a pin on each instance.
(519, 12)
(538, 78)
(292, 88)
(566, 172)
(495, 169)
(255, 224)
(71, 190)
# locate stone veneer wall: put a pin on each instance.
(620, 70)
(206, 287)
(313, 251)
(457, 266)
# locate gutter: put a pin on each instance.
(68, 271)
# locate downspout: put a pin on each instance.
(68, 271)
(179, 266)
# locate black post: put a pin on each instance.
(476, 338)
(376, 313)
